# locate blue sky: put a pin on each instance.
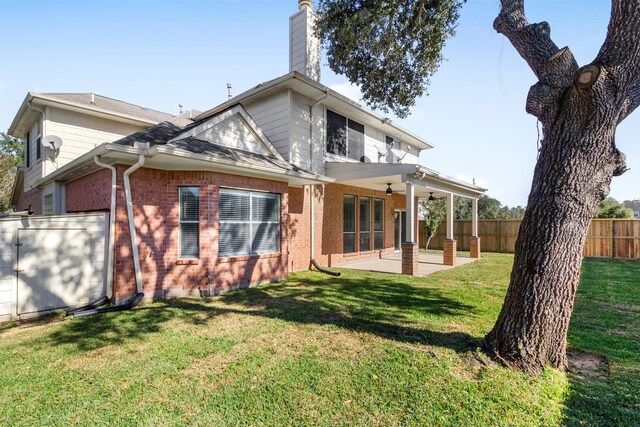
(163, 53)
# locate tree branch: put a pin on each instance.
(532, 41)
(632, 100)
(620, 52)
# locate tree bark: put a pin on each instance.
(579, 109)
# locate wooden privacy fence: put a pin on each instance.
(611, 238)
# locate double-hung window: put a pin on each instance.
(189, 247)
(249, 223)
(345, 137)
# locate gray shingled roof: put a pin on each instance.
(157, 134)
(236, 155)
(162, 133)
(111, 104)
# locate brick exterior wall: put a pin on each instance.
(156, 208)
(32, 197)
(328, 236)
(90, 193)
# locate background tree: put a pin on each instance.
(634, 205)
(11, 156)
(373, 43)
(611, 208)
(434, 212)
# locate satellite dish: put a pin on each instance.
(52, 141)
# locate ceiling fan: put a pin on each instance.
(431, 198)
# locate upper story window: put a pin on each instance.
(27, 151)
(345, 137)
(389, 145)
(39, 142)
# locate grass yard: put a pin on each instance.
(361, 349)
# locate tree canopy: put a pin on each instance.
(611, 208)
(11, 156)
(389, 49)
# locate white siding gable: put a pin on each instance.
(232, 128)
(272, 117)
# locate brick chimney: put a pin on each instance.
(304, 46)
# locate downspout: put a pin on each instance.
(112, 227)
(312, 231)
(132, 226)
(91, 309)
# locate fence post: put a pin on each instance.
(498, 236)
(611, 234)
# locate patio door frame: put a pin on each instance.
(399, 228)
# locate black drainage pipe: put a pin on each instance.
(324, 270)
(135, 301)
(94, 304)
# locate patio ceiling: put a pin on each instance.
(375, 176)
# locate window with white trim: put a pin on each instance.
(378, 223)
(249, 223)
(189, 246)
(345, 137)
(349, 224)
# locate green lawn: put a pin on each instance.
(361, 349)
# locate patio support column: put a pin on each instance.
(474, 244)
(449, 255)
(410, 247)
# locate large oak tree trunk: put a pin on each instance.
(579, 109)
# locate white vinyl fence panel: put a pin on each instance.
(51, 262)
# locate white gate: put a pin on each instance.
(51, 262)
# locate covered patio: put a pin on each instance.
(428, 263)
(414, 181)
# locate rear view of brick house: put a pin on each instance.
(241, 194)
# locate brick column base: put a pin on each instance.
(410, 259)
(474, 247)
(449, 256)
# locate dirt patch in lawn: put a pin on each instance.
(588, 365)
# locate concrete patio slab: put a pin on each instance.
(428, 263)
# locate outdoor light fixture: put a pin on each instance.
(389, 190)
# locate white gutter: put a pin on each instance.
(112, 227)
(132, 226)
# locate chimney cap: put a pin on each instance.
(305, 3)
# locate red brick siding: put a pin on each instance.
(32, 197)
(155, 202)
(328, 206)
(89, 193)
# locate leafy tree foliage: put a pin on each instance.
(488, 208)
(389, 49)
(434, 212)
(611, 208)
(11, 156)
